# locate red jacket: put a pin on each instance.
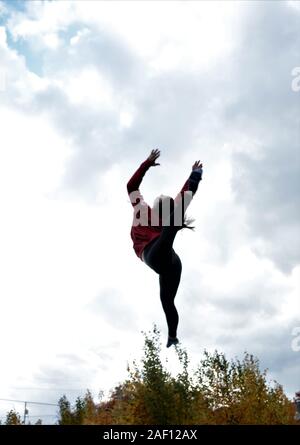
(142, 234)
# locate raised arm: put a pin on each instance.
(135, 181)
(190, 185)
(195, 176)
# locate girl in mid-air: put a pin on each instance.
(153, 232)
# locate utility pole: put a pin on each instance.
(25, 412)
(297, 403)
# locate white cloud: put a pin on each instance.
(3, 9)
(3, 37)
(40, 18)
(52, 40)
(79, 35)
(90, 88)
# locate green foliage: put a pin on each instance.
(220, 391)
(13, 418)
(84, 408)
(237, 391)
(66, 415)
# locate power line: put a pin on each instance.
(46, 389)
(27, 401)
(42, 415)
(29, 416)
(21, 388)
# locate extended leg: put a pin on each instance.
(169, 281)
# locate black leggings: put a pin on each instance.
(160, 256)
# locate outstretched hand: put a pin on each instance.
(196, 165)
(153, 156)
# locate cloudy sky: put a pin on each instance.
(87, 89)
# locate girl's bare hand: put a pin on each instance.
(196, 165)
(153, 156)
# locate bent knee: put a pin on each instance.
(176, 261)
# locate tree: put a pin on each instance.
(65, 412)
(220, 391)
(13, 418)
(84, 408)
(152, 396)
(238, 391)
